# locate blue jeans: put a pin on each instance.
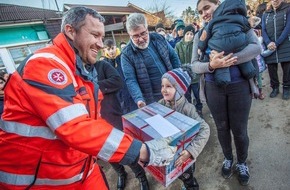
(230, 107)
(195, 89)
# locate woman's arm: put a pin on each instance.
(286, 30)
(198, 66)
(251, 50)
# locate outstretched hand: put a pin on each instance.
(160, 152)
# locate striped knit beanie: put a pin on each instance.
(179, 79)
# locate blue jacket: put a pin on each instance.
(135, 71)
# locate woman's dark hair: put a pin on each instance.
(212, 1)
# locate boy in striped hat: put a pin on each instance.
(173, 87)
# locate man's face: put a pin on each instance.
(140, 37)
(88, 40)
(110, 51)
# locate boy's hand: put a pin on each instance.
(184, 155)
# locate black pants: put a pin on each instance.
(273, 73)
(195, 89)
(230, 107)
(136, 168)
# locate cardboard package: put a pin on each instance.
(157, 121)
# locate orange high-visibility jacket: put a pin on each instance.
(49, 134)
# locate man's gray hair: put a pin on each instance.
(76, 16)
(135, 20)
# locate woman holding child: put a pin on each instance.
(230, 104)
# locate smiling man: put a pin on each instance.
(50, 135)
(144, 60)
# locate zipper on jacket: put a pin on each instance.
(275, 34)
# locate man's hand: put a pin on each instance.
(141, 104)
(160, 152)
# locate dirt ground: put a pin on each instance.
(269, 151)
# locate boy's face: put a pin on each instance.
(180, 31)
(167, 89)
(110, 51)
(188, 36)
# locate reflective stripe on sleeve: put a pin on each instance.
(111, 145)
(21, 179)
(66, 114)
(16, 179)
(22, 129)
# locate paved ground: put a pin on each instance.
(269, 152)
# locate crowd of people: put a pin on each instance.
(77, 118)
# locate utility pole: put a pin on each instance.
(56, 5)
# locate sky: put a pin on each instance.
(177, 6)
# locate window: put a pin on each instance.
(18, 54)
(2, 66)
(35, 47)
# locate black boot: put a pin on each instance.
(188, 179)
(275, 92)
(191, 184)
(286, 93)
(143, 183)
(121, 183)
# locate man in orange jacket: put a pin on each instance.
(50, 135)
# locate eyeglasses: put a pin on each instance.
(142, 35)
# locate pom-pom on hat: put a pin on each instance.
(188, 28)
(179, 79)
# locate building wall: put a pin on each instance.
(16, 42)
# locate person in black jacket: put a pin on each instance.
(110, 82)
(276, 36)
(112, 54)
